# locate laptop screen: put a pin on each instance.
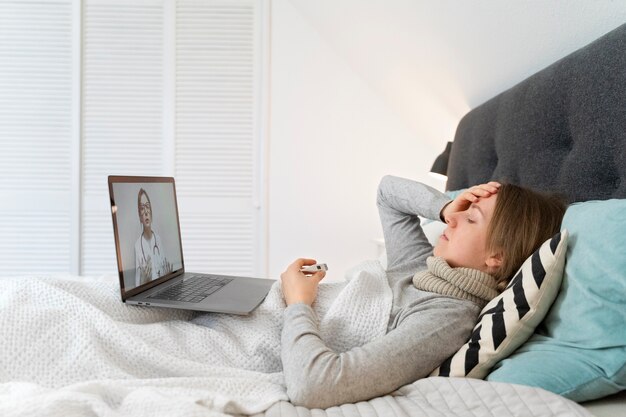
(147, 232)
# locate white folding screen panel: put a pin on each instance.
(173, 88)
(139, 87)
(38, 137)
(217, 136)
(122, 112)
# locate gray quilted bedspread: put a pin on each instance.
(447, 397)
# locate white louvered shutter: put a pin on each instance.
(37, 137)
(153, 87)
(172, 88)
(217, 135)
(122, 114)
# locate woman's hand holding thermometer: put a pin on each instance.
(300, 281)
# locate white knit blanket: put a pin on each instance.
(69, 347)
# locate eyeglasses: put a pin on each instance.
(144, 207)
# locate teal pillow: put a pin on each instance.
(454, 193)
(579, 351)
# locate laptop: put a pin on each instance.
(150, 254)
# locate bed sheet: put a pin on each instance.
(70, 344)
(70, 347)
(611, 406)
(438, 396)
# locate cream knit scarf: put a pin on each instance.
(464, 283)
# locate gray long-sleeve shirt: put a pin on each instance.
(424, 328)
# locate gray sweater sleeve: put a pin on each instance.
(317, 377)
(400, 201)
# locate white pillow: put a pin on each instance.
(508, 320)
(433, 229)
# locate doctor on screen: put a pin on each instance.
(150, 261)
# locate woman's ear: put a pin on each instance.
(494, 261)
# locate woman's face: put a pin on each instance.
(463, 243)
(145, 211)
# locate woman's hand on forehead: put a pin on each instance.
(464, 200)
(484, 190)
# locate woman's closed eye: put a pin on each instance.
(469, 220)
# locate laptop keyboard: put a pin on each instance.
(193, 289)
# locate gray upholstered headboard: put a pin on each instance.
(562, 129)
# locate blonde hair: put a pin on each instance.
(522, 220)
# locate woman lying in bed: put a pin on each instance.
(491, 230)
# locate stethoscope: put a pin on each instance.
(155, 248)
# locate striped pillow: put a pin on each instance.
(509, 320)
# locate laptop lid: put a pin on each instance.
(147, 231)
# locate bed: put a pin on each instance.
(79, 351)
(564, 130)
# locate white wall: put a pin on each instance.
(362, 88)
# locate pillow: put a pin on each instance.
(434, 228)
(579, 351)
(509, 319)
